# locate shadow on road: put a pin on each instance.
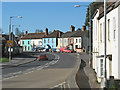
(81, 78)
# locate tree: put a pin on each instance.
(49, 32)
(38, 31)
(93, 6)
(78, 29)
(18, 32)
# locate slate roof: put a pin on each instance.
(54, 34)
(33, 36)
(110, 6)
(67, 34)
(78, 33)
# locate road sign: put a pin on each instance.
(10, 43)
(10, 50)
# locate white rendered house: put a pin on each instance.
(112, 41)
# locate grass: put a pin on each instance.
(4, 60)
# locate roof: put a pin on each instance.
(33, 36)
(110, 6)
(78, 33)
(54, 34)
(67, 34)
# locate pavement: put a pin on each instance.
(19, 60)
(86, 77)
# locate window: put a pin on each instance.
(76, 46)
(52, 41)
(101, 66)
(114, 28)
(79, 40)
(28, 48)
(101, 32)
(44, 41)
(23, 42)
(109, 29)
(28, 42)
(48, 41)
(76, 40)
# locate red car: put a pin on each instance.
(62, 49)
(42, 57)
(67, 50)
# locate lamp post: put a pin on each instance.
(90, 34)
(10, 56)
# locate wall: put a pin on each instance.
(113, 45)
(78, 43)
(52, 44)
(26, 44)
(36, 42)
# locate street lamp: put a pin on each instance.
(10, 34)
(90, 38)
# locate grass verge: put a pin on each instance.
(4, 60)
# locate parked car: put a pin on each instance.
(42, 57)
(57, 50)
(53, 49)
(62, 48)
(40, 48)
(67, 50)
(34, 49)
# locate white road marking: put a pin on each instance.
(12, 75)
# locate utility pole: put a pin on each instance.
(90, 36)
(105, 78)
(10, 39)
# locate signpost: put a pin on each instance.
(10, 43)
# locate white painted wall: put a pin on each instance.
(113, 45)
(79, 42)
(36, 42)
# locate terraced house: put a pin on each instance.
(75, 40)
(51, 39)
(32, 40)
(112, 40)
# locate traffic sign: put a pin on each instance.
(10, 43)
(10, 50)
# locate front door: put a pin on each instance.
(25, 48)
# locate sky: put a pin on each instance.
(41, 15)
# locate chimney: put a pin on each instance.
(72, 28)
(60, 34)
(26, 32)
(83, 28)
(46, 31)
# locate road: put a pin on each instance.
(49, 76)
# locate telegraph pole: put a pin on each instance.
(10, 39)
(105, 77)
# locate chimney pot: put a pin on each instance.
(60, 34)
(46, 31)
(83, 28)
(26, 32)
(72, 28)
